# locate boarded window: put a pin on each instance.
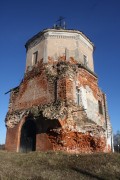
(100, 107)
(35, 57)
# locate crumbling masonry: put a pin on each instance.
(58, 105)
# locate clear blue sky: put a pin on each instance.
(98, 19)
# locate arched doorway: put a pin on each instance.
(28, 136)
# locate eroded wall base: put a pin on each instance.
(60, 137)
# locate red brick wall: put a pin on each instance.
(38, 90)
(12, 138)
(43, 143)
(75, 142)
(65, 141)
(33, 92)
(86, 78)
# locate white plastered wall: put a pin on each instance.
(56, 44)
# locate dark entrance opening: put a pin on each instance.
(28, 136)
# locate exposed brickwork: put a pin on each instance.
(43, 142)
(61, 100)
(12, 138)
(77, 142)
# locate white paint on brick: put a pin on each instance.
(83, 97)
(90, 103)
(56, 43)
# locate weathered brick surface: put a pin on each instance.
(12, 138)
(88, 79)
(58, 105)
(43, 142)
(47, 96)
(77, 142)
(29, 96)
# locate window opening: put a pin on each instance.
(78, 96)
(35, 56)
(85, 60)
(100, 107)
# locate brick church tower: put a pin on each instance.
(58, 105)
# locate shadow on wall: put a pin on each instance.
(35, 126)
(28, 136)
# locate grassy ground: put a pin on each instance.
(58, 166)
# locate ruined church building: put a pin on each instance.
(58, 105)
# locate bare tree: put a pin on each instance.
(117, 141)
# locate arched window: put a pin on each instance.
(78, 96)
(35, 57)
(100, 107)
(85, 60)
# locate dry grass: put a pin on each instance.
(58, 166)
